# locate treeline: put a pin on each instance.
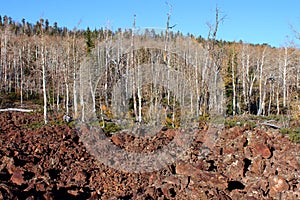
(257, 79)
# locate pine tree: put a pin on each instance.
(89, 42)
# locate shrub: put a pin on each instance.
(110, 127)
(232, 122)
(295, 137)
(294, 134)
(35, 125)
(14, 96)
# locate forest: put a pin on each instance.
(58, 68)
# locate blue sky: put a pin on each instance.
(253, 21)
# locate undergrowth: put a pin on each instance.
(294, 134)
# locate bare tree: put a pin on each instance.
(233, 76)
(216, 54)
(133, 66)
(43, 63)
(22, 76)
(4, 41)
(75, 106)
(284, 76)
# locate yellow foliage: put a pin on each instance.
(109, 114)
(103, 107)
(169, 122)
(295, 109)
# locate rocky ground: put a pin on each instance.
(50, 162)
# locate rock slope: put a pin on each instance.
(50, 162)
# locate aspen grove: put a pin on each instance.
(50, 66)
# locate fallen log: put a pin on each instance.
(16, 109)
(270, 125)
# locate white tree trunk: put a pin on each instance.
(233, 86)
(5, 60)
(277, 101)
(75, 107)
(57, 97)
(284, 87)
(82, 94)
(22, 81)
(261, 89)
(66, 75)
(133, 76)
(44, 82)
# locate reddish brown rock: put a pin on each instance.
(48, 196)
(235, 132)
(210, 178)
(80, 176)
(17, 176)
(117, 140)
(236, 170)
(229, 150)
(257, 166)
(52, 162)
(186, 169)
(277, 184)
(210, 137)
(73, 192)
(215, 180)
(153, 178)
(40, 187)
(173, 180)
(293, 161)
(7, 163)
(168, 191)
(181, 138)
(261, 149)
(196, 194)
(171, 133)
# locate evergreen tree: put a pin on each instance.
(47, 25)
(230, 83)
(89, 42)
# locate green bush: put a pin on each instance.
(232, 122)
(294, 134)
(14, 96)
(204, 118)
(110, 127)
(38, 101)
(295, 137)
(35, 125)
(285, 131)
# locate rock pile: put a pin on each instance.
(50, 162)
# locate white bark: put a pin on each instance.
(82, 103)
(197, 86)
(22, 81)
(261, 89)
(66, 75)
(277, 100)
(271, 93)
(43, 63)
(284, 76)
(74, 78)
(16, 109)
(4, 58)
(245, 76)
(133, 77)
(44, 82)
(233, 85)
